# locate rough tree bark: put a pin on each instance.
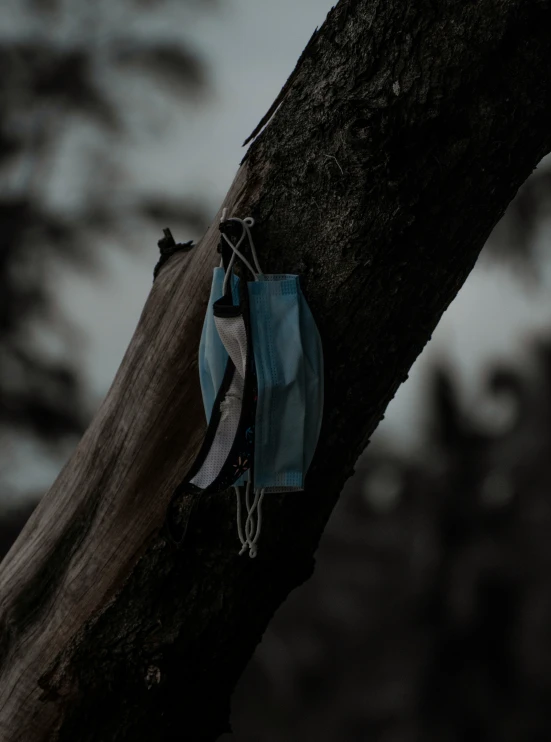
(404, 133)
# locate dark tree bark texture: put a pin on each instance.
(403, 134)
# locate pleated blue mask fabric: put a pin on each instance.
(289, 368)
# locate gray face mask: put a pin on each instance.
(261, 373)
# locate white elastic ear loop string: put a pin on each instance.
(246, 224)
(240, 255)
(244, 542)
(235, 249)
(253, 550)
(252, 529)
(248, 541)
(250, 512)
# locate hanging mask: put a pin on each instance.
(261, 372)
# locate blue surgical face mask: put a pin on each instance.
(279, 389)
(289, 368)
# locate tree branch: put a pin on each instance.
(404, 134)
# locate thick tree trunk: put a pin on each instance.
(403, 135)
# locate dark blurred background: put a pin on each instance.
(429, 615)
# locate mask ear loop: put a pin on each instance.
(244, 542)
(235, 249)
(252, 530)
(246, 224)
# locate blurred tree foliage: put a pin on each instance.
(63, 67)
